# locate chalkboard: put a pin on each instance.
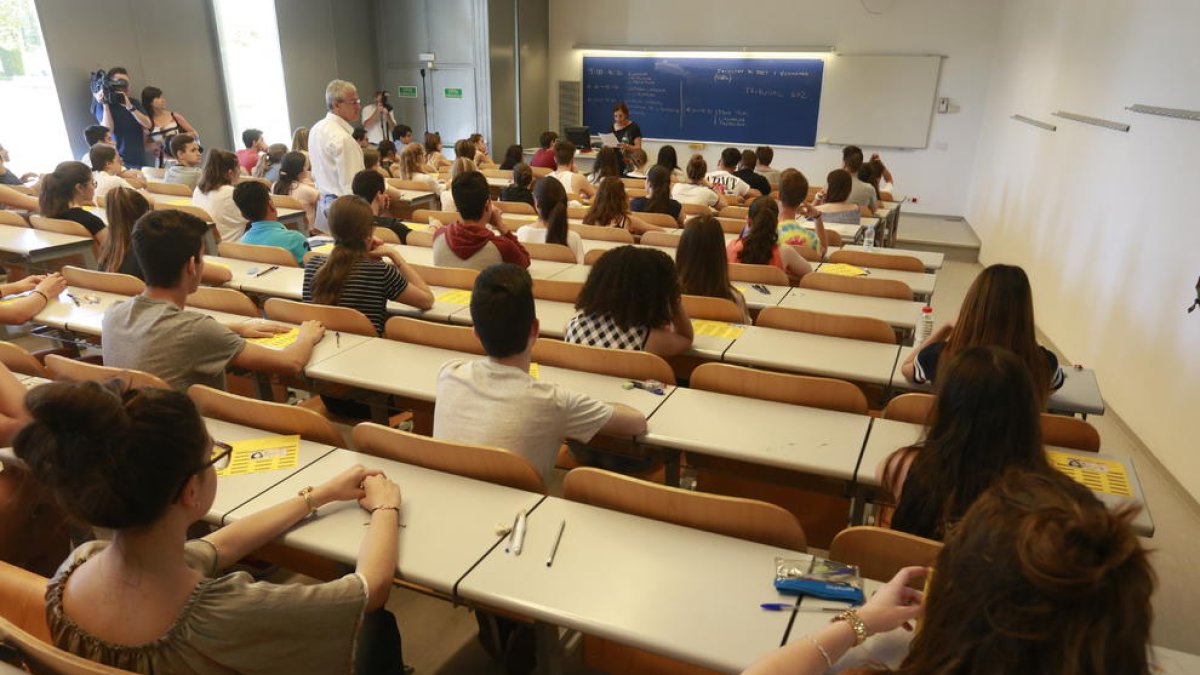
(734, 100)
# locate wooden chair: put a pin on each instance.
(747, 519)
(732, 225)
(515, 207)
(913, 407)
(759, 274)
(599, 233)
(62, 368)
(654, 238)
(739, 212)
(268, 255)
(833, 238)
(593, 255)
(880, 552)
(634, 183)
(59, 225)
(813, 392)
(557, 290)
(496, 173)
(658, 220)
(44, 657)
(228, 300)
(615, 362)
(883, 261)
(553, 252)
(416, 185)
(1069, 432)
(344, 319)
(422, 239)
(836, 325)
(286, 202)
(513, 221)
(12, 218)
(450, 277)
(810, 254)
(540, 171)
(174, 189)
(577, 212)
(634, 193)
(278, 418)
(16, 359)
(110, 282)
(431, 334)
(696, 210)
(443, 217)
(188, 208)
(386, 236)
(23, 600)
(31, 190)
(488, 464)
(712, 309)
(255, 179)
(877, 288)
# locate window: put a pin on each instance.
(34, 133)
(253, 67)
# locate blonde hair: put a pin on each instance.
(461, 165)
(412, 160)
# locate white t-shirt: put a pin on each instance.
(219, 204)
(690, 193)
(375, 131)
(482, 402)
(537, 235)
(732, 184)
(447, 198)
(567, 178)
(106, 181)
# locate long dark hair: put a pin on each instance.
(513, 156)
(123, 207)
(759, 243)
(610, 208)
(608, 163)
(985, 419)
(700, 259)
(551, 199)
(148, 96)
(667, 159)
(351, 222)
(838, 185)
(217, 167)
(659, 199)
(58, 187)
(289, 171)
(635, 287)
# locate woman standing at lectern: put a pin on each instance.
(628, 133)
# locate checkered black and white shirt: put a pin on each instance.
(599, 330)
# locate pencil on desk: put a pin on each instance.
(554, 549)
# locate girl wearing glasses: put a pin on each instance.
(150, 600)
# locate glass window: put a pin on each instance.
(253, 68)
(32, 130)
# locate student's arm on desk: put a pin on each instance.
(583, 186)
(793, 263)
(416, 293)
(625, 421)
(23, 309)
(16, 200)
(216, 275)
(287, 361)
(908, 369)
(674, 340)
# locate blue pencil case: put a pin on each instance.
(819, 578)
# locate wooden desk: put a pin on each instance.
(810, 354)
(676, 591)
(421, 255)
(922, 284)
(932, 261)
(34, 247)
(283, 282)
(900, 314)
(449, 522)
(296, 218)
(887, 436)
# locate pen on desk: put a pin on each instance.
(337, 336)
(272, 268)
(554, 550)
(73, 299)
(786, 607)
(519, 534)
(760, 288)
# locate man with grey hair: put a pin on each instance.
(334, 153)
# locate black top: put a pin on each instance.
(395, 225)
(628, 134)
(9, 178)
(128, 132)
(130, 266)
(926, 364)
(516, 193)
(89, 220)
(673, 207)
(754, 180)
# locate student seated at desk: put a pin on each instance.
(152, 601)
(610, 208)
(7, 177)
(513, 156)
(735, 189)
(481, 156)
(658, 195)
(65, 192)
(412, 167)
(473, 242)
(632, 300)
(697, 190)
(986, 419)
(461, 165)
(185, 170)
(544, 156)
(371, 187)
(123, 207)
(669, 160)
(295, 180)
(436, 161)
(759, 245)
(551, 227)
(11, 199)
(155, 332)
(214, 194)
(747, 173)
(253, 199)
(765, 155)
(860, 192)
(834, 201)
(107, 166)
(355, 274)
(1038, 577)
(494, 401)
(40, 288)
(701, 263)
(564, 171)
(389, 159)
(608, 164)
(793, 190)
(639, 163)
(518, 189)
(997, 310)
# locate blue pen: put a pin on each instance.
(778, 606)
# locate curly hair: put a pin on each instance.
(634, 286)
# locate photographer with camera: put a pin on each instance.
(115, 109)
(378, 119)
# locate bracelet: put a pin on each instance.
(306, 495)
(44, 296)
(824, 654)
(386, 508)
(856, 624)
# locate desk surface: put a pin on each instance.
(684, 593)
(810, 354)
(921, 283)
(285, 214)
(283, 282)
(810, 440)
(896, 313)
(449, 521)
(931, 260)
(423, 255)
(24, 241)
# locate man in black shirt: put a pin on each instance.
(126, 119)
(746, 172)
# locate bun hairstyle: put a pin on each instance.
(58, 187)
(111, 459)
(1039, 577)
(759, 244)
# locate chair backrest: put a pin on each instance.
(418, 238)
(62, 368)
(657, 238)
(833, 238)
(879, 552)
(515, 221)
(593, 255)
(807, 252)
(818, 323)
(268, 255)
(712, 309)
(493, 465)
(658, 219)
(515, 207)
(278, 418)
(12, 218)
(344, 319)
(286, 202)
(696, 210)
(878, 288)
(191, 209)
(634, 182)
(575, 212)
(451, 277)
(23, 600)
(110, 282)
(400, 184)
(1069, 432)
(634, 193)
(616, 362)
(747, 519)
(883, 261)
(174, 189)
(45, 658)
(496, 173)
(256, 179)
(813, 392)
(554, 252)
(443, 217)
(59, 225)
(732, 225)
(16, 359)
(739, 212)
(601, 233)
(558, 291)
(539, 171)
(913, 407)
(759, 274)
(229, 300)
(386, 236)
(431, 334)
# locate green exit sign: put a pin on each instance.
(406, 92)
(453, 93)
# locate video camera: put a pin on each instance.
(112, 88)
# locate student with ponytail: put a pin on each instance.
(64, 193)
(759, 243)
(295, 180)
(123, 206)
(658, 195)
(141, 463)
(610, 208)
(550, 200)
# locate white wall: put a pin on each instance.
(1103, 220)
(962, 30)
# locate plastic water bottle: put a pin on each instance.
(924, 325)
(869, 237)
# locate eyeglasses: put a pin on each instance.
(351, 101)
(221, 453)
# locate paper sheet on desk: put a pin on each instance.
(609, 140)
(262, 454)
(181, 202)
(843, 270)
(1095, 473)
(455, 296)
(721, 329)
(278, 340)
(324, 250)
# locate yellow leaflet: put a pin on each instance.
(1095, 473)
(742, 289)
(721, 329)
(213, 263)
(842, 270)
(181, 202)
(278, 340)
(418, 227)
(262, 454)
(456, 296)
(534, 371)
(324, 250)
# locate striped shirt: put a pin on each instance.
(369, 286)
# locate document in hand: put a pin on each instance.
(609, 140)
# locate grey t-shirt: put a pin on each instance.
(862, 194)
(156, 336)
(183, 175)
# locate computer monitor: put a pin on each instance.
(580, 136)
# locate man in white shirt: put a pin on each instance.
(334, 153)
(724, 177)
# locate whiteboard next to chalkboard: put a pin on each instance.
(878, 101)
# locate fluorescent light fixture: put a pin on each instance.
(1037, 123)
(1095, 121)
(697, 51)
(1178, 113)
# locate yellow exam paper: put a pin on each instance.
(418, 227)
(263, 454)
(324, 250)
(842, 270)
(181, 202)
(278, 340)
(1095, 473)
(721, 329)
(456, 296)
